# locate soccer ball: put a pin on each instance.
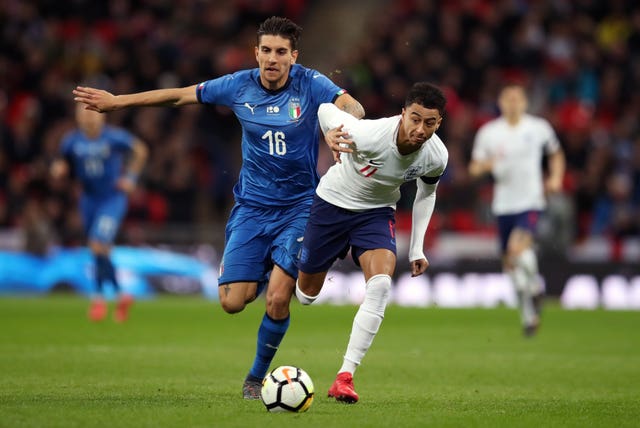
(287, 389)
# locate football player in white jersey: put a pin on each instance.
(354, 208)
(511, 148)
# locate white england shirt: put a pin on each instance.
(517, 152)
(371, 176)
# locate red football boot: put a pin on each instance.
(97, 310)
(122, 308)
(342, 389)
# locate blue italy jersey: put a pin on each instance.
(280, 132)
(98, 162)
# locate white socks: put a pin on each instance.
(304, 298)
(524, 276)
(367, 321)
(529, 263)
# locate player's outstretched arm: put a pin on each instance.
(346, 102)
(423, 206)
(103, 101)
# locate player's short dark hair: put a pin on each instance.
(283, 27)
(427, 95)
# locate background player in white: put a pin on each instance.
(511, 148)
(277, 106)
(354, 208)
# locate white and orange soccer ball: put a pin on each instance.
(287, 389)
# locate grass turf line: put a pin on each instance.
(180, 361)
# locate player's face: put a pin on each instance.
(418, 125)
(275, 58)
(512, 102)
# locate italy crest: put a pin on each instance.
(294, 108)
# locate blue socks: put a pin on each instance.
(105, 272)
(270, 335)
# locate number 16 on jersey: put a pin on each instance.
(277, 144)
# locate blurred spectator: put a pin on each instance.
(581, 65)
(579, 60)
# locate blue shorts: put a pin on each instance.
(332, 230)
(103, 215)
(527, 220)
(259, 238)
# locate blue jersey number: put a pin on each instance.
(277, 144)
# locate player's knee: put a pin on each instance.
(278, 308)
(232, 307)
(234, 297)
(278, 299)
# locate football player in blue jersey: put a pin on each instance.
(107, 161)
(277, 106)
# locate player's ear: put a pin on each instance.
(255, 50)
(294, 56)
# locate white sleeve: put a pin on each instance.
(423, 206)
(330, 116)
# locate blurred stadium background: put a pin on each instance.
(580, 60)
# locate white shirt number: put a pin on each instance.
(277, 144)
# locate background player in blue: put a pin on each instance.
(276, 105)
(96, 153)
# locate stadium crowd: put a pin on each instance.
(579, 59)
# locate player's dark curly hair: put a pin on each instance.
(427, 95)
(283, 27)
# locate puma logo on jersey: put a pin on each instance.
(247, 105)
(375, 163)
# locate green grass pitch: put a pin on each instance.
(180, 362)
